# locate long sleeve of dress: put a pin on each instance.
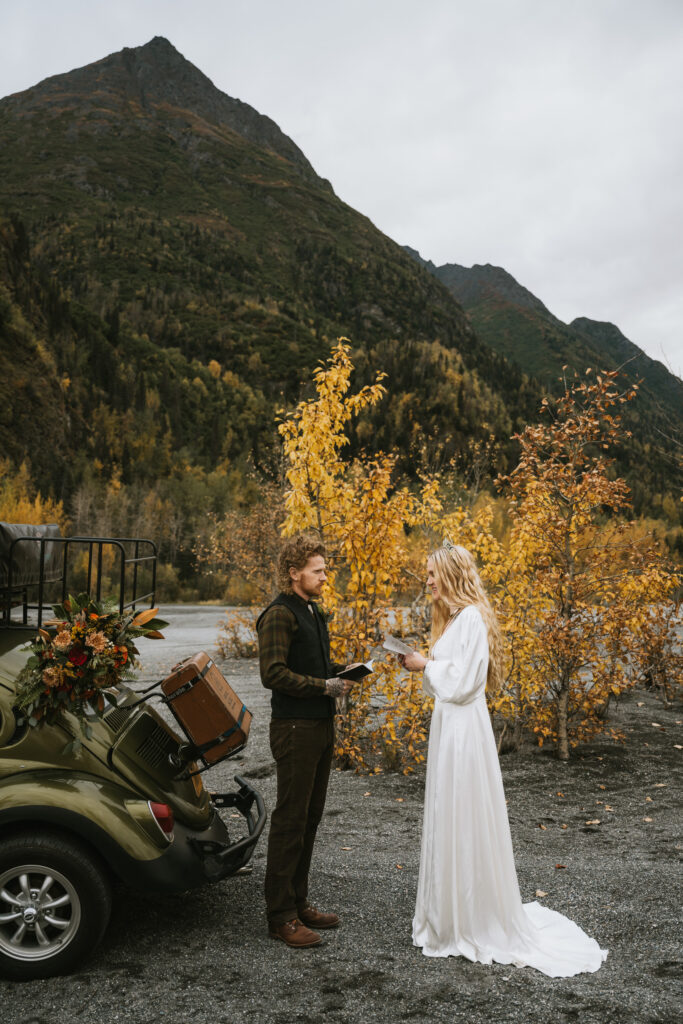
(457, 672)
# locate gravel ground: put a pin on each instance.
(205, 956)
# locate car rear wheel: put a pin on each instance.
(55, 901)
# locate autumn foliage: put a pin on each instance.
(576, 584)
(21, 503)
(362, 515)
(585, 598)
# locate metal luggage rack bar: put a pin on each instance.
(95, 561)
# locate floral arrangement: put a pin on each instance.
(91, 649)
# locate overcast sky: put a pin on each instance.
(543, 136)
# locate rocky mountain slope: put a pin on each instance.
(172, 269)
(514, 322)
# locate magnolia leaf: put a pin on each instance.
(154, 634)
(144, 617)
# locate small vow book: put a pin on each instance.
(356, 671)
(396, 646)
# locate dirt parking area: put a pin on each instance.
(205, 956)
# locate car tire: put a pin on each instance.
(55, 902)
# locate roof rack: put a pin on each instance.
(36, 558)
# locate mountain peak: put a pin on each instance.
(153, 81)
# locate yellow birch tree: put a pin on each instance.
(362, 516)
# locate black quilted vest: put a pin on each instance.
(309, 655)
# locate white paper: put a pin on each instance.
(391, 643)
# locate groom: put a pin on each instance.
(294, 656)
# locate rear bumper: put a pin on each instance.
(220, 857)
(196, 858)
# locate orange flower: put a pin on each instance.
(51, 677)
(63, 640)
(97, 641)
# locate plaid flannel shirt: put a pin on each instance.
(275, 632)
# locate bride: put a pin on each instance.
(468, 900)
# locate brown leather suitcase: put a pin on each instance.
(207, 708)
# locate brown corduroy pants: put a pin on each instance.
(302, 748)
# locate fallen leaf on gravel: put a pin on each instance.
(366, 794)
(560, 794)
(647, 819)
(593, 821)
(564, 826)
(560, 866)
(543, 827)
(677, 746)
(400, 867)
(346, 847)
(399, 799)
(648, 799)
(602, 787)
(656, 725)
(608, 808)
(661, 785)
(541, 894)
(640, 704)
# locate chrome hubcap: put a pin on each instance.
(39, 912)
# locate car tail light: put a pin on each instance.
(164, 817)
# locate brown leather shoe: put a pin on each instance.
(317, 919)
(295, 934)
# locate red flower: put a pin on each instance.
(77, 656)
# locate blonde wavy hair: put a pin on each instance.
(460, 585)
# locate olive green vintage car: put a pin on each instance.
(127, 806)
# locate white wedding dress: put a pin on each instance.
(468, 900)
